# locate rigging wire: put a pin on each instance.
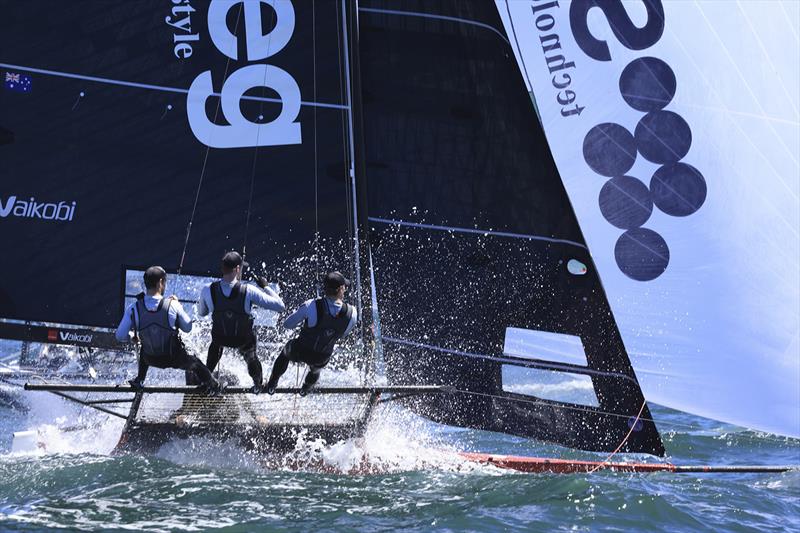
(203, 169)
(605, 461)
(316, 156)
(521, 57)
(255, 149)
(345, 157)
(296, 385)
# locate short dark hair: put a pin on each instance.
(231, 260)
(329, 291)
(332, 281)
(153, 275)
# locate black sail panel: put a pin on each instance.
(98, 124)
(473, 236)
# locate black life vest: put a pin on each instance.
(321, 338)
(231, 325)
(157, 337)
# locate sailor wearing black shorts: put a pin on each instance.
(230, 303)
(325, 321)
(155, 321)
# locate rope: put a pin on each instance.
(296, 384)
(203, 170)
(316, 157)
(605, 461)
(345, 142)
(255, 151)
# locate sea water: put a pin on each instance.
(73, 483)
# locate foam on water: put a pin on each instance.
(395, 439)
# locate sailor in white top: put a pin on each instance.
(230, 303)
(325, 321)
(155, 321)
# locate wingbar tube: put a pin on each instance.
(399, 389)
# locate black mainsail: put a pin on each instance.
(473, 234)
(134, 120)
(394, 137)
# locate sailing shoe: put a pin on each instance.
(271, 386)
(136, 384)
(256, 388)
(305, 389)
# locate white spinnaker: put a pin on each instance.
(712, 325)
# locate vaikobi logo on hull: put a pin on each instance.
(74, 337)
(31, 208)
(54, 335)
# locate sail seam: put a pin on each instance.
(137, 85)
(437, 17)
(575, 369)
(476, 231)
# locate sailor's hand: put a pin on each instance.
(173, 297)
(262, 282)
(136, 384)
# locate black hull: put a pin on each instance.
(147, 439)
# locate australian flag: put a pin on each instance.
(20, 83)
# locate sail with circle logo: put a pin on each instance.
(676, 132)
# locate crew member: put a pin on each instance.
(155, 321)
(230, 303)
(325, 321)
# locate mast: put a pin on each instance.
(361, 242)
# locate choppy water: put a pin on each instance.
(77, 485)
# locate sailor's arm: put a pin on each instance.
(125, 325)
(296, 318)
(182, 319)
(352, 323)
(202, 305)
(266, 298)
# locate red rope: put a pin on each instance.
(604, 463)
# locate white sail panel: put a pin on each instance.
(676, 130)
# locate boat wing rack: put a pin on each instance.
(392, 389)
(159, 402)
(157, 414)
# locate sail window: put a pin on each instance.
(544, 345)
(576, 268)
(549, 385)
